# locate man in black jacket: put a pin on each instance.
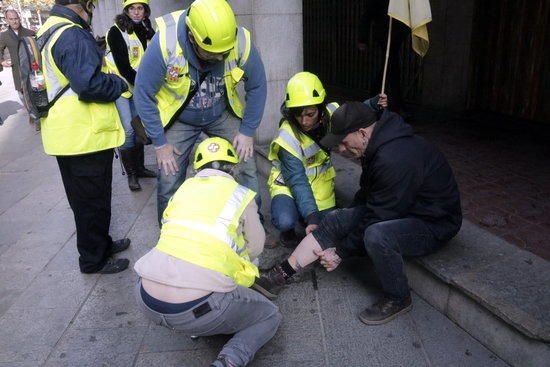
(10, 40)
(408, 204)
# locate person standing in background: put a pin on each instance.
(82, 128)
(10, 39)
(126, 43)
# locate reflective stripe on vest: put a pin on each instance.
(200, 226)
(331, 107)
(73, 127)
(175, 89)
(310, 171)
(135, 54)
(223, 221)
(54, 87)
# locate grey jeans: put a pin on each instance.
(184, 136)
(251, 317)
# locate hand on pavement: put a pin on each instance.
(383, 100)
(328, 258)
(166, 160)
(244, 145)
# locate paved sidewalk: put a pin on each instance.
(52, 315)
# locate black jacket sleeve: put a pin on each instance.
(119, 49)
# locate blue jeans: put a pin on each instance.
(127, 111)
(184, 136)
(285, 214)
(384, 242)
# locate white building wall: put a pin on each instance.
(276, 28)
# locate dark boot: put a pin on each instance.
(385, 310)
(269, 284)
(129, 160)
(141, 170)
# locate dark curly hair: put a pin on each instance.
(125, 23)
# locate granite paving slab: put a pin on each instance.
(523, 301)
(97, 347)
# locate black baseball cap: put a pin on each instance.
(348, 118)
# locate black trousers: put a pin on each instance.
(88, 183)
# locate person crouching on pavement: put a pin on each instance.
(196, 279)
(408, 204)
(301, 182)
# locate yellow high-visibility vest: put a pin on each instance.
(317, 164)
(74, 127)
(177, 83)
(135, 54)
(200, 226)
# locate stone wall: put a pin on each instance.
(276, 32)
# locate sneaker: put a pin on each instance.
(289, 239)
(113, 266)
(119, 246)
(269, 284)
(385, 310)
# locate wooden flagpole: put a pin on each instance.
(387, 57)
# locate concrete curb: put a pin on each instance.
(496, 292)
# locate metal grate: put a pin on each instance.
(331, 31)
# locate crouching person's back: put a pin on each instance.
(196, 279)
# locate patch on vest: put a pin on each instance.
(310, 160)
(213, 147)
(173, 72)
(135, 52)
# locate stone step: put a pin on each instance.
(498, 293)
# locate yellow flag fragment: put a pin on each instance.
(415, 14)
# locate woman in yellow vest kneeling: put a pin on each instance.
(196, 280)
(127, 41)
(301, 182)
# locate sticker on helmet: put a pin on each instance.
(213, 147)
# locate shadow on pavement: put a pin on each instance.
(9, 108)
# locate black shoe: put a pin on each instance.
(385, 310)
(140, 161)
(289, 239)
(269, 284)
(113, 266)
(119, 246)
